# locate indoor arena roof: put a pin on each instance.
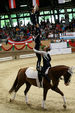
(4, 5)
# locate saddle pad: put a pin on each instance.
(31, 73)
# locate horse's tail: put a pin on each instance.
(14, 85)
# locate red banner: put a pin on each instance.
(29, 40)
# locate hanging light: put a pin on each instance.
(23, 5)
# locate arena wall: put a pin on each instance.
(59, 48)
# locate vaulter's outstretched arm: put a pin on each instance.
(39, 52)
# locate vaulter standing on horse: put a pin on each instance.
(37, 46)
(46, 61)
(46, 56)
(34, 15)
(36, 28)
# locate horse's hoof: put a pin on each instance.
(11, 100)
(44, 109)
(28, 104)
(64, 106)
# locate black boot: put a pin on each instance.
(40, 77)
(38, 66)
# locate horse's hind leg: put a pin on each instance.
(13, 97)
(15, 91)
(28, 85)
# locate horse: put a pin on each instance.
(55, 73)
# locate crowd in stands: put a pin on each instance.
(47, 29)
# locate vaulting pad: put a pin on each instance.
(31, 73)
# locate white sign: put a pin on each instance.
(60, 51)
(58, 45)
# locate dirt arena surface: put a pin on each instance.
(54, 102)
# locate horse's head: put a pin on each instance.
(67, 76)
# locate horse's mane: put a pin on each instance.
(61, 66)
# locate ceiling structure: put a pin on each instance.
(52, 4)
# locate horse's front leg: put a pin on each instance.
(44, 97)
(56, 89)
(64, 105)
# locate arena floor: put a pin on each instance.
(54, 102)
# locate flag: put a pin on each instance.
(12, 4)
(35, 2)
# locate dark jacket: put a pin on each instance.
(46, 62)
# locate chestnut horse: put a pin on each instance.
(54, 73)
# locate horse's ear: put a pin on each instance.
(73, 67)
(70, 70)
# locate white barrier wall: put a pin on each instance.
(6, 58)
(60, 51)
(58, 45)
(59, 48)
(56, 48)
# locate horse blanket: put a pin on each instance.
(33, 74)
